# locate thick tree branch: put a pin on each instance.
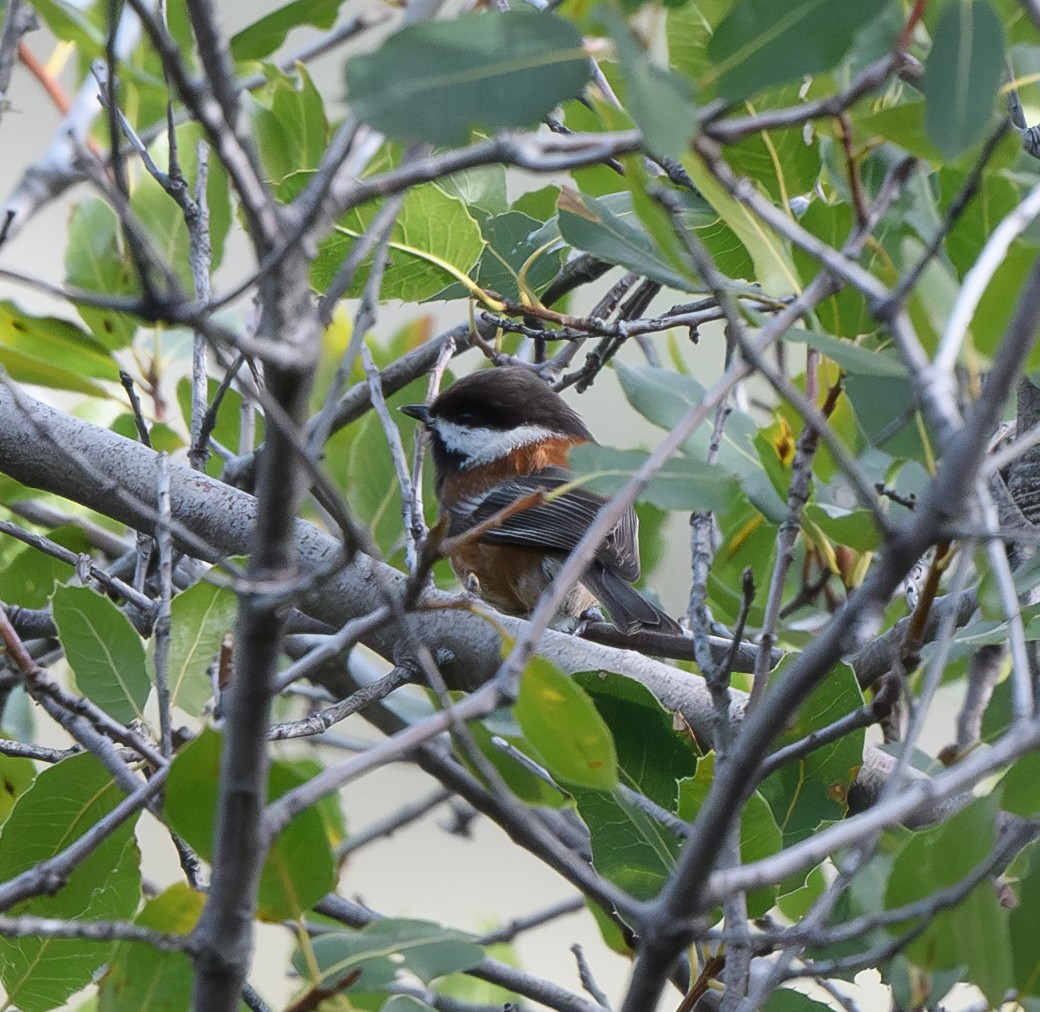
(216, 521)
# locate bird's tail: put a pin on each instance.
(628, 609)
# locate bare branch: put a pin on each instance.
(28, 926)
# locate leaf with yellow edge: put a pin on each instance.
(774, 268)
(434, 241)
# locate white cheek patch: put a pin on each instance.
(482, 445)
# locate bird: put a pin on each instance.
(499, 436)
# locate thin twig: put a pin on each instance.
(82, 564)
(331, 647)
(29, 926)
(320, 721)
(39, 753)
(164, 542)
(404, 816)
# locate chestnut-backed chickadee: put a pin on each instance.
(498, 436)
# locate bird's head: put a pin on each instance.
(488, 416)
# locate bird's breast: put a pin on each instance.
(473, 482)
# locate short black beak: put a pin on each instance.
(417, 411)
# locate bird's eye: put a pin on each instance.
(466, 418)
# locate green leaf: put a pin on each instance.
(935, 293)
(346, 961)
(464, 987)
(653, 537)
(682, 484)
(981, 926)
(139, 976)
(539, 204)
(760, 43)
(962, 74)
(191, 791)
(227, 431)
(51, 352)
(527, 784)
(855, 528)
(218, 188)
(437, 82)
(16, 776)
(29, 577)
(405, 1003)
(785, 162)
(629, 847)
(1022, 928)
(513, 247)
(813, 790)
(688, 30)
(20, 715)
(865, 896)
(1020, 786)
(299, 867)
(104, 651)
(975, 932)
(851, 357)
(997, 196)
(785, 999)
(661, 395)
(796, 903)
(435, 241)
(70, 22)
(694, 214)
(96, 262)
(265, 35)
(558, 718)
(775, 445)
(594, 117)
(760, 836)
(65, 801)
(845, 312)
(328, 807)
(482, 189)
(164, 439)
(178, 21)
(608, 228)
(660, 101)
(774, 268)
(200, 618)
(658, 222)
(887, 411)
(904, 125)
(427, 949)
(430, 950)
(289, 121)
(513, 251)
(370, 483)
(652, 754)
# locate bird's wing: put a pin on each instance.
(557, 524)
